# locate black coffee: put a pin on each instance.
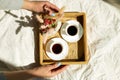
(72, 30)
(57, 48)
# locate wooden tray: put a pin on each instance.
(78, 51)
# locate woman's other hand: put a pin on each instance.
(47, 71)
(40, 6)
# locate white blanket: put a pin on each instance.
(103, 30)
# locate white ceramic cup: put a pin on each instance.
(71, 31)
(57, 49)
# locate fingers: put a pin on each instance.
(55, 65)
(55, 69)
(51, 8)
(48, 10)
(59, 69)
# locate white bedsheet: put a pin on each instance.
(103, 29)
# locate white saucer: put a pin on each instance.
(54, 56)
(56, 28)
(69, 38)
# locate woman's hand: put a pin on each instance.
(40, 6)
(47, 70)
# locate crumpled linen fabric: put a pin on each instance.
(103, 36)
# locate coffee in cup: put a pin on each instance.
(57, 48)
(72, 30)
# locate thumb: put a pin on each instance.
(55, 65)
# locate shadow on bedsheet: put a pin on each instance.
(115, 3)
(8, 12)
(31, 21)
(28, 21)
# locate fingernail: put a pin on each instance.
(59, 64)
(52, 14)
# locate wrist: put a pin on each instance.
(36, 72)
(27, 5)
(18, 75)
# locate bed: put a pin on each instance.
(18, 40)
